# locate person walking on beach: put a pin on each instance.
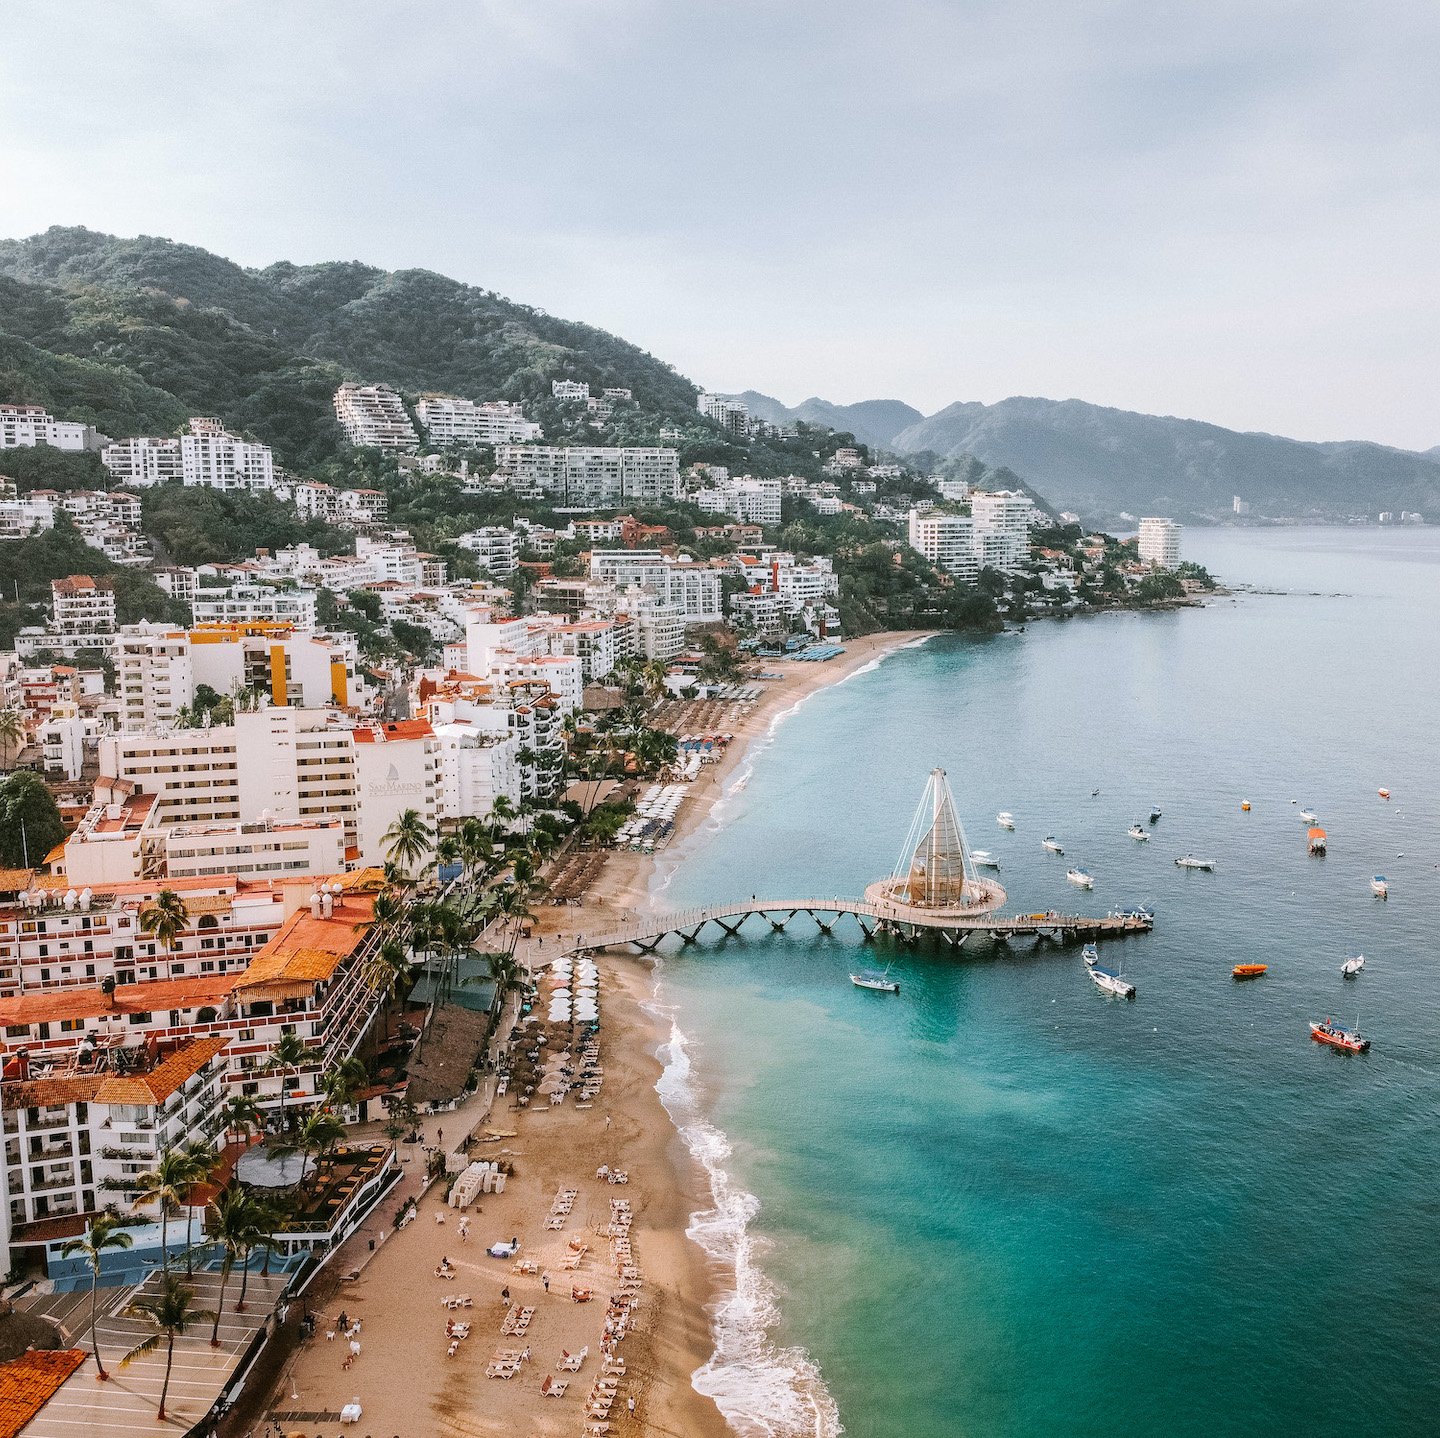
(545, 1279)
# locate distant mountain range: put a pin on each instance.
(1103, 462)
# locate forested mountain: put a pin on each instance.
(875, 422)
(1102, 462)
(135, 334)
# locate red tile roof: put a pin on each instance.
(29, 1382)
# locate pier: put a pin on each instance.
(934, 893)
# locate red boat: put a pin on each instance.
(1331, 1033)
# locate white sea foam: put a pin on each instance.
(763, 1390)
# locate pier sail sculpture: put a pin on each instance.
(935, 871)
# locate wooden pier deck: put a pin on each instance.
(900, 921)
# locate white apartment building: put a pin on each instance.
(598, 476)
(693, 589)
(496, 549)
(1159, 542)
(1002, 527)
(269, 848)
(154, 677)
(142, 462)
(731, 415)
(373, 417)
(397, 767)
(753, 501)
(569, 390)
(947, 541)
(476, 768)
(208, 455)
(450, 421)
(82, 606)
(648, 627)
(245, 604)
(362, 506)
(23, 426)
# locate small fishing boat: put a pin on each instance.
(1380, 886)
(1052, 843)
(1309, 816)
(1329, 1032)
(1248, 971)
(1137, 833)
(1005, 819)
(875, 979)
(1081, 878)
(1091, 954)
(1154, 815)
(1315, 839)
(1245, 806)
(1111, 983)
(1383, 793)
(1135, 911)
(1189, 861)
(984, 859)
(1351, 967)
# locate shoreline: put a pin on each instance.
(632, 881)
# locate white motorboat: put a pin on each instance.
(1189, 861)
(1081, 878)
(1111, 983)
(984, 859)
(1380, 886)
(1138, 833)
(1309, 816)
(1154, 814)
(1005, 819)
(1052, 843)
(1091, 954)
(874, 979)
(1351, 967)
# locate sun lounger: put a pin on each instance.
(554, 1387)
(570, 1362)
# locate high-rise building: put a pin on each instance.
(591, 476)
(373, 416)
(23, 426)
(1159, 542)
(449, 420)
(732, 415)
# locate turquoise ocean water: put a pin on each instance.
(1002, 1204)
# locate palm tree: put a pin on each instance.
(396, 970)
(384, 912)
(241, 1114)
(288, 1054)
(166, 918)
(171, 1313)
(654, 675)
(408, 840)
(168, 1184)
(12, 737)
(447, 851)
(318, 1135)
(344, 1081)
(236, 1223)
(104, 1234)
(502, 810)
(203, 1163)
(476, 846)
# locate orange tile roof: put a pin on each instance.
(15, 879)
(308, 949)
(147, 1089)
(29, 1382)
(399, 729)
(56, 1005)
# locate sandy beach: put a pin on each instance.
(404, 1377)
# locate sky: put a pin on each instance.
(1226, 211)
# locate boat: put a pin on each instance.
(1111, 983)
(1309, 816)
(1135, 911)
(1248, 971)
(1091, 954)
(1383, 793)
(1052, 843)
(1137, 833)
(1329, 1032)
(874, 979)
(1245, 806)
(1380, 886)
(1154, 815)
(1189, 861)
(1005, 819)
(1352, 967)
(1081, 878)
(1315, 838)
(984, 859)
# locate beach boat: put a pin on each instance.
(1154, 815)
(1248, 971)
(1244, 806)
(1189, 861)
(984, 859)
(1111, 983)
(1380, 886)
(1347, 1040)
(875, 979)
(1052, 843)
(1137, 833)
(1005, 819)
(1352, 967)
(1309, 816)
(1081, 878)
(1383, 793)
(1091, 954)
(1136, 911)
(1315, 838)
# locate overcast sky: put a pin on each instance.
(1229, 211)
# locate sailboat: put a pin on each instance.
(876, 979)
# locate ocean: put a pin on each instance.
(1003, 1204)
